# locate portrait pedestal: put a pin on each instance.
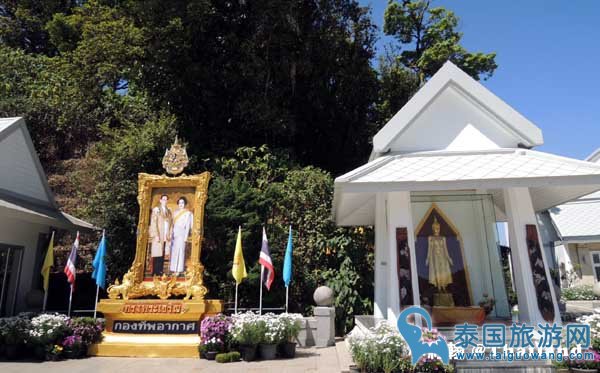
(153, 327)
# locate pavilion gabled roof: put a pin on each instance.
(451, 103)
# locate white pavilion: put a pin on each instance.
(453, 162)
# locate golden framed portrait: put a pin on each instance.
(169, 238)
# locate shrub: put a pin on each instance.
(87, 328)
(15, 330)
(581, 292)
(228, 357)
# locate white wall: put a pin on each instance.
(457, 123)
(25, 234)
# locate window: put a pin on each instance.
(596, 264)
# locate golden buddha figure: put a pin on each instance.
(439, 262)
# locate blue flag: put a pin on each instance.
(287, 261)
(99, 264)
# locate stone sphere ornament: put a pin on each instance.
(323, 296)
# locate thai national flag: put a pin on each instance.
(70, 266)
(266, 263)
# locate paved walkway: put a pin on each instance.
(321, 360)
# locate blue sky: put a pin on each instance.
(548, 56)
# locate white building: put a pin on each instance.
(458, 156)
(577, 225)
(28, 213)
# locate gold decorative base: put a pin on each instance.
(153, 327)
(136, 345)
(443, 300)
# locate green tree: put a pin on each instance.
(22, 23)
(430, 38)
(426, 37)
(137, 144)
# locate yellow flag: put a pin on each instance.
(239, 266)
(48, 262)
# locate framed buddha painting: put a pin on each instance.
(443, 275)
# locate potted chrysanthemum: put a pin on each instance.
(48, 330)
(291, 324)
(271, 330)
(14, 335)
(214, 333)
(246, 332)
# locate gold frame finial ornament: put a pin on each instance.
(175, 159)
(192, 284)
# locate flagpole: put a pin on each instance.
(70, 300)
(96, 302)
(286, 298)
(262, 270)
(45, 301)
(48, 287)
(236, 293)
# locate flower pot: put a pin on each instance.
(39, 352)
(287, 350)
(12, 352)
(354, 369)
(210, 355)
(267, 351)
(583, 370)
(248, 352)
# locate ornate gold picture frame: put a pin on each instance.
(167, 285)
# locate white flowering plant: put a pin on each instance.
(380, 349)
(593, 321)
(580, 292)
(271, 329)
(49, 328)
(246, 329)
(291, 323)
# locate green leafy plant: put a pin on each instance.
(228, 357)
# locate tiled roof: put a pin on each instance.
(579, 219)
(460, 166)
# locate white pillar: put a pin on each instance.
(381, 276)
(399, 214)
(519, 211)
